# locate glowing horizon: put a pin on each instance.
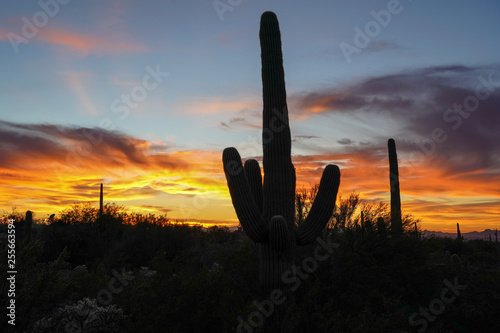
(144, 98)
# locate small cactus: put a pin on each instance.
(459, 236)
(381, 227)
(28, 222)
(396, 221)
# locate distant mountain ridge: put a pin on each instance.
(484, 235)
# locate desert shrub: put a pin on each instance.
(83, 316)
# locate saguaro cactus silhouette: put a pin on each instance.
(101, 197)
(396, 221)
(266, 211)
(459, 235)
(28, 222)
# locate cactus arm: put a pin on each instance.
(243, 202)
(254, 178)
(276, 138)
(322, 207)
(278, 234)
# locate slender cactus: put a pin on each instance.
(101, 197)
(362, 221)
(28, 222)
(396, 221)
(459, 235)
(266, 211)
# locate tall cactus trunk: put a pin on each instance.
(266, 210)
(396, 221)
(101, 200)
(459, 235)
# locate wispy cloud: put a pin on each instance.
(382, 45)
(4, 34)
(100, 44)
(77, 81)
(207, 106)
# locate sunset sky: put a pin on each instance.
(143, 96)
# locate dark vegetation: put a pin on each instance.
(179, 278)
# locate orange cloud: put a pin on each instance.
(85, 44)
(47, 167)
(217, 105)
(323, 103)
